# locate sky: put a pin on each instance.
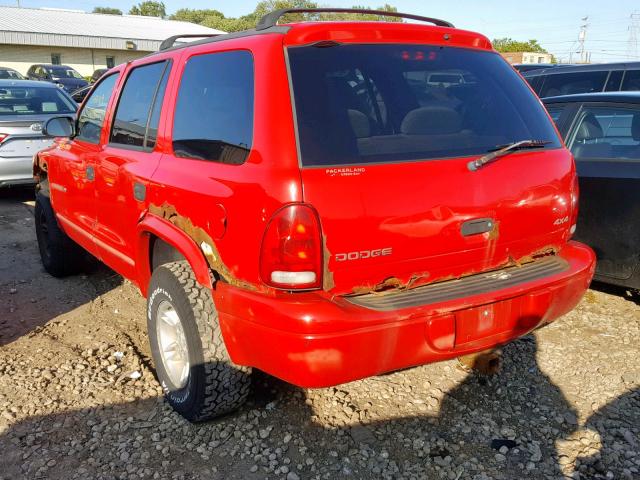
(554, 23)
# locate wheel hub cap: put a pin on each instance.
(172, 344)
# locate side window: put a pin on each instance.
(570, 83)
(134, 126)
(214, 110)
(631, 80)
(607, 133)
(613, 83)
(91, 118)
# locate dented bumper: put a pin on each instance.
(315, 340)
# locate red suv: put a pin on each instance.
(324, 201)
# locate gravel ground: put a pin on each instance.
(79, 400)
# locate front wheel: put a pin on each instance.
(60, 255)
(192, 363)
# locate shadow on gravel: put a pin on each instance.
(618, 426)
(501, 427)
(30, 296)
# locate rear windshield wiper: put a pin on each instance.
(502, 150)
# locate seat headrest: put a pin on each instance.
(359, 123)
(635, 127)
(434, 120)
(589, 128)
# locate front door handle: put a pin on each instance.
(91, 173)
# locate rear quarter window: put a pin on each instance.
(359, 104)
(214, 111)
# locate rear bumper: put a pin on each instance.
(313, 340)
(16, 171)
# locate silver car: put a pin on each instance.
(24, 107)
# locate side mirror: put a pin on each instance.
(59, 127)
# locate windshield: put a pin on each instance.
(10, 74)
(15, 100)
(64, 72)
(358, 104)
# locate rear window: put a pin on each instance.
(607, 132)
(10, 74)
(16, 100)
(359, 104)
(64, 72)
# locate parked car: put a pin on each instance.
(97, 74)
(569, 80)
(7, 73)
(306, 212)
(24, 107)
(530, 67)
(602, 130)
(62, 75)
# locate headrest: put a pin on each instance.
(589, 128)
(635, 127)
(434, 120)
(359, 123)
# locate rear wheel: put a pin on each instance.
(192, 363)
(60, 255)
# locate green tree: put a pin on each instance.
(149, 8)
(510, 45)
(107, 10)
(215, 19)
(195, 16)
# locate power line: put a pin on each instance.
(634, 28)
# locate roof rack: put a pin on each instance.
(168, 43)
(271, 19)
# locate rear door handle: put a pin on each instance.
(91, 173)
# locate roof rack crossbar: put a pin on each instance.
(271, 19)
(168, 43)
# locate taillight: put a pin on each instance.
(575, 191)
(3, 136)
(291, 253)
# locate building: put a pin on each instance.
(84, 41)
(527, 57)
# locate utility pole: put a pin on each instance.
(634, 28)
(582, 36)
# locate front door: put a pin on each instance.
(73, 196)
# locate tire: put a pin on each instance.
(210, 384)
(60, 255)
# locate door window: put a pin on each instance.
(92, 116)
(607, 133)
(214, 110)
(571, 83)
(134, 126)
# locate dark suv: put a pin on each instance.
(62, 75)
(573, 79)
(324, 201)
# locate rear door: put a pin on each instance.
(605, 140)
(385, 156)
(127, 162)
